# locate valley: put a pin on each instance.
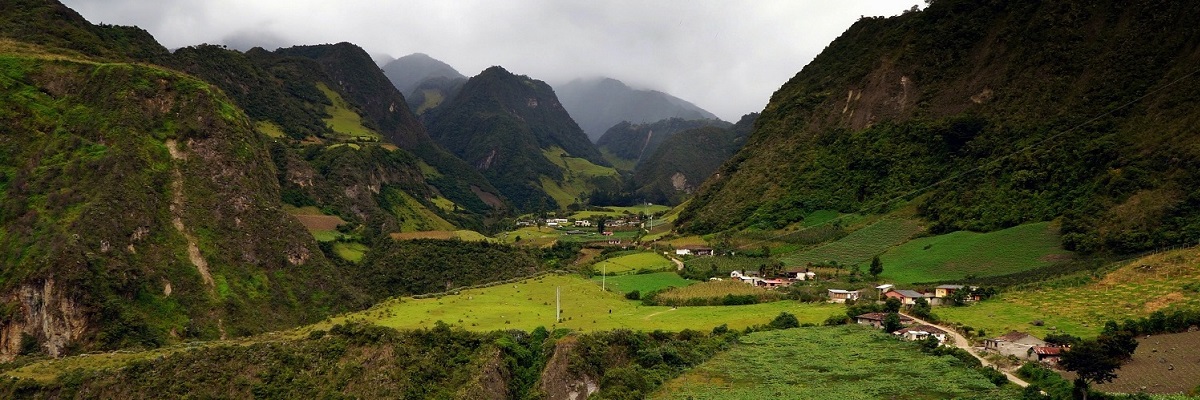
(328, 221)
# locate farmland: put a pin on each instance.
(1158, 282)
(342, 118)
(714, 291)
(644, 283)
(1161, 364)
(633, 262)
(617, 212)
(721, 266)
(585, 307)
(459, 234)
(961, 254)
(859, 246)
(848, 362)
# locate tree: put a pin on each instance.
(600, 225)
(958, 298)
(876, 267)
(892, 305)
(891, 322)
(785, 320)
(922, 310)
(1097, 360)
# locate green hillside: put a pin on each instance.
(961, 254)
(630, 143)
(859, 246)
(141, 205)
(1006, 113)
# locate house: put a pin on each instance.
(884, 288)
(906, 297)
(841, 296)
(1048, 354)
(800, 274)
(583, 222)
(683, 252)
(1016, 344)
(944, 291)
(694, 250)
(772, 283)
(875, 319)
(556, 221)
(920, 332)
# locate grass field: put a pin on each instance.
(350, 251)
(1135, 290)
(617, 212)
(725, 264)
(270, 129)
(859, 246)
(961, 254)
(433, 98)
(577, 174)
(413, 215)
(819, 217)
(343, 120)
(585, 307)
(840, 363)
(633, 262)
(644, 283)
(717, 290)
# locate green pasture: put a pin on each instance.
(643, 283)
(344, 120)
(350, 251)
(585, 307)
(618, 212)
(633, 262)
(859, 246)
(960, 254)
(270, 129)
(837, 363)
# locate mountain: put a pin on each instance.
(684, 160)
(140, 207)
(334, 94)
(513, 129)
(409, 71)
(54, 25)
(986, 115)
(598, 104)
(425, 81)
(626, 144)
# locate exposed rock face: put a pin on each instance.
(43, 312)
(557, 380)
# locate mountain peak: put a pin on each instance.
(598, 104)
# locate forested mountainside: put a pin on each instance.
(330, 94)
(140, 207)
(598, 104)
(513, 129)
(988, 114)
(54, 25)
(626, 144)
(684, 160)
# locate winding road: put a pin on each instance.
(961, 342)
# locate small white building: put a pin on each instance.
(583, 222)
(841, 296)
(920, 332)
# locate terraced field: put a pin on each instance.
(861, 245)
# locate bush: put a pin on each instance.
(634, 295)
(784, 321)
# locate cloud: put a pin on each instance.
(725, 56)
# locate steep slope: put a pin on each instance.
(332, 94)
(140, 207)
(684, 160)
(1015, 111)
(598, 104)
(626, 144)
(509, 128)
(51, 24)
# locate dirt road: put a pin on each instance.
(962, 343)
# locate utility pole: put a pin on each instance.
(604, 277)
(557, 304)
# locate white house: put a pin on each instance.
(920, 332)
(583, 222)
(841, 296)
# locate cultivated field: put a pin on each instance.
(530, 304)
(459, 234)
(644, 283)
(1158, 282)
(633, 263)
(961, 254)
(1162, 364)
(859, 246)
(847, 362)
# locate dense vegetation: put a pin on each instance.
(408, 267)
(1007, 111)
(676, 168)
(629, 143)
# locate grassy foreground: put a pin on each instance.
(848, 362)
(585, 307)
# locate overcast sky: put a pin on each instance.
(725, 56)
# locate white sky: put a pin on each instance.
(725, 56)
